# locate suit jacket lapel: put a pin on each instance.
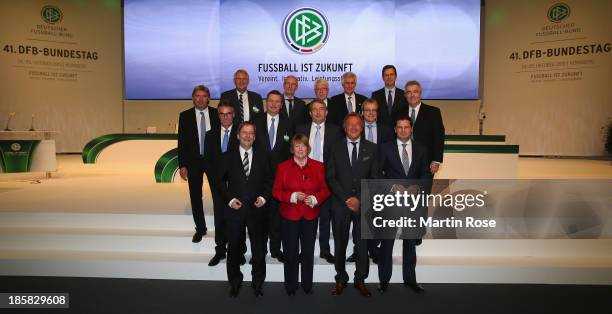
(345, 154)
(398, 159)
(194, 126)
(412, 168)
(280, 131)
(396, 99)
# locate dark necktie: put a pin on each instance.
(390, 102)
(290, 107)
(241, 108)
(245, 164)
(354, 154)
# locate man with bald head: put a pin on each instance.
(293, 108)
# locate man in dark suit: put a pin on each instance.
(428, 127)
(379, 134)
(293, 107)
(347, 102)
(274, 131)
(390, 99)
(220, 140)
(246, 188)
(402, 159)
(352, 159)
(322, 135)
(247, 104)
(373, 130)
(193, 125)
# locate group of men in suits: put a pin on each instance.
(238, 145)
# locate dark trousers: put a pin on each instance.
(218, 207)
(342, 222)
(374, 247)
(235, 230)
(385, 260)
(273, 227)
(195, 179)
(325, 218)
(298, 234)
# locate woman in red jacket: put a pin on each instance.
(300, 187)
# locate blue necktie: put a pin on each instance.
(316, 154)
(271, 134)
(349, 105)
(371, 134)
(225, 141)
(202, 132)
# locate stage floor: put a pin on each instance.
(97, 188)
(93, 220)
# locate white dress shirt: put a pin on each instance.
(245, 104)
(229, 133)
(416, 112)
(276, 118)
(312, 136)
(374, 131)
(198, 122)
(353, 100)
(349, 145)
(250, 151)
(392, 89)
(400, 148)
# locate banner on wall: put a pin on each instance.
(562, 49)
(49, 47)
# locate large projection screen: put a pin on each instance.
(171, 46)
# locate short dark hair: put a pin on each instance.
(403, 117)
(246, 123)
(387, 67)
(274, 92)
(200, 88)
(316, 101)
(348, 116)
(225, 103)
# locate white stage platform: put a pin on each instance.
(92, 221)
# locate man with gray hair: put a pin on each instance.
(193, 125)
(246, 103)
(347, 102)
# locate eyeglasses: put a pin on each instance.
(225, 114)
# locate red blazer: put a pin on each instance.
(310, 180)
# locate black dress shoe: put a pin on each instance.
(339, 288)
(234, 292)
(352, 258)
(383, 287)
(216, 259)
(419, 241)
(363, 291)
(415, 286)
(328, 257)
(242, 260)
(197, 237)
(279, 256)
(308, 291)
(258, 292)
(290, 292)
